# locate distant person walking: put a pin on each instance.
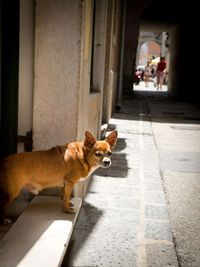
(147, 74)
(161, 72)
(153, 75)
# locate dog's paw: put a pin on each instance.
(71, 204)
(70, 210)
(7, 221)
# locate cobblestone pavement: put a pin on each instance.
(124, 219)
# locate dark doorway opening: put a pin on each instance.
(9, 62)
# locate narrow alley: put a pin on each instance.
(144, 210)
(67, 67)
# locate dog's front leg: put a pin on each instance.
(63, 196)
(66, 197)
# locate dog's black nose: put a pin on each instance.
(106, 162)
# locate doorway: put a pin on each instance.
(9, 65)
(152, 45)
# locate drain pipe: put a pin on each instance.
(120, 84)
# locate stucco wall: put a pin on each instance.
(85, 71)
(94, 113)
(112, 55)
(107, 94)
(57, 72)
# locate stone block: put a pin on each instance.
(161, 255)
(155, 197)
(125, 202)
(158, 230)
(152, 176)
(156, 212)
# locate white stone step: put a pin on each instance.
(41, 234)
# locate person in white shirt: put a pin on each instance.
(147, 74)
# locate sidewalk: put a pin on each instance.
(124, 219)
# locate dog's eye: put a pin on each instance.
(109, 154)
(98, 154)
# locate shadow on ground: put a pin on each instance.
(88, 218)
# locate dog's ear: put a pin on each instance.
(112, 139)
(90, 140)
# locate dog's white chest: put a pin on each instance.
(91, 171)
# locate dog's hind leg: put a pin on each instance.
(3, 207)
(4, 219)
(5, 200)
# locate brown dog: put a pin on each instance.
(61, 166)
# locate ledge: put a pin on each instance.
(41, 234)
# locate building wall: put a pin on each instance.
(89, 104)
(102, 99)
(94, 113)
(107, 62)
(173, 66)
(153, 49)
(63, 106)
(143, 53)
(112, 56)
(116, 46)
(57, 72)
(131, 42)
(98, 70)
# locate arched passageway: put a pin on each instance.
(155, 15)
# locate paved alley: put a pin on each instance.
(124, 219)
(152, 86)
(176, 129)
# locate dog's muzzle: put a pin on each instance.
(106, 162)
